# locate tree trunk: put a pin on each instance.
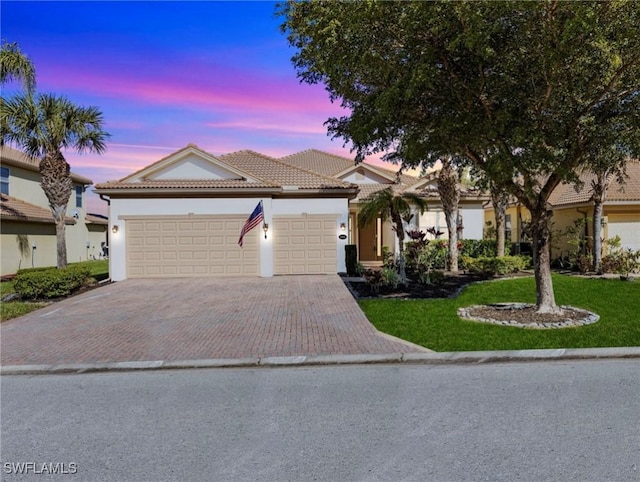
(57, 184)
(599, 186)
(500, 234)
(449, 191)
(499, 201)
(597, 237)
(61, 240)
(541, 233)
(402, 272)
(452, 226)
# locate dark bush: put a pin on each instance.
(351, 259)
(491, 265)
(50, 282)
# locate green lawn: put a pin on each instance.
(434, 323)
(12, 309)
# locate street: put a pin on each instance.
(547, 421)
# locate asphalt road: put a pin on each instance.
(548, 421)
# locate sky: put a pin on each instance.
(166, 74)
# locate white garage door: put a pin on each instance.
(627, 227)
(185, 246)
(305, 244)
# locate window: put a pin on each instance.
(4, 180)
(507, 228)
(79, 191)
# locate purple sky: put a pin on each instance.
(217, 74)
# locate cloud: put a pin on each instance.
(204, 88)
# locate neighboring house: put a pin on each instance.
(621, 212)
(371, 238)
(182, 216)
(28, 234)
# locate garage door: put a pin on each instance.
(627, 227)
(185, 246)
(305, 245)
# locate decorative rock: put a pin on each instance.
(588, 319)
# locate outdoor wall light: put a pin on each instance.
(115, 228)
(265, 228)
(343, 227)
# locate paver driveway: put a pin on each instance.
(196, 318)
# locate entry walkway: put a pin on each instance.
(196, 319)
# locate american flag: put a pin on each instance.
(257, 216)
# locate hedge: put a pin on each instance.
(492, 265)
(45, 283)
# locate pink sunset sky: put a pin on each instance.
(166, 74)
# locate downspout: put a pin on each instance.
(108, 201)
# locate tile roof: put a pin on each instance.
(318, 161)
(14, 157)
(13, 209)
(96, 219)
(184, 184)
(331, 165)
(466, 194)
(266, 172)
(566, 194)
(284, 174)
(367, 190)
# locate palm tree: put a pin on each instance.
(43, 126)
(14, 65)
(386, 204)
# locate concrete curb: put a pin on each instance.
(431, 358)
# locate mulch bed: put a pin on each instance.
(450, 287)
(524, 315)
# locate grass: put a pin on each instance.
(12, 309)
(434, 323)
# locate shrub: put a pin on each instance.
(487, 265)
(584, 263)
(351, 259)
(431, 278)
(50, 282)
(373, 279)
(387, 257)
(390, 277)
(475, 248)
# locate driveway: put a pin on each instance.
(197, 318)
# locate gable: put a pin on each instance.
(363, 175)
(190, 163)
(193, 166)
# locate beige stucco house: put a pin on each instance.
(370, 179)
(182, 215)
(621, 212)
(27, 229)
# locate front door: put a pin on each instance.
(368, 243)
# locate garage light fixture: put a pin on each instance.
(115, 228)
(265, 228)
(343, 227)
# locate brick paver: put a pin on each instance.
(192, 319)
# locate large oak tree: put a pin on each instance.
(522, 90)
